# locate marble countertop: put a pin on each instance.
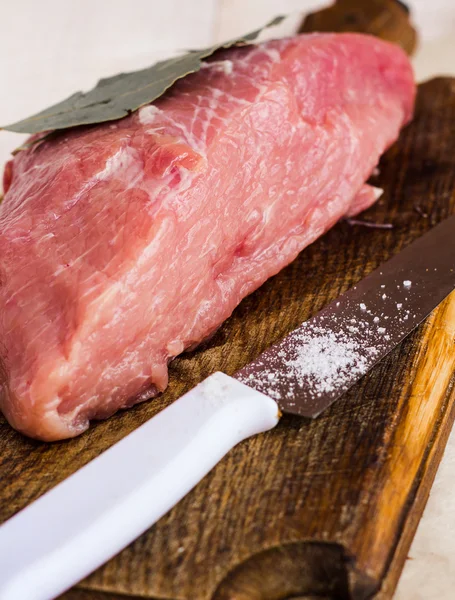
(51, 48)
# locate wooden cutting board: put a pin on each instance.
(323, 508)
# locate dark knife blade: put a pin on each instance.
(318, 362)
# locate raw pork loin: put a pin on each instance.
(122, 244)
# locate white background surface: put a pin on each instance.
(51, 48)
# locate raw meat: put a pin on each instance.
(125, 243)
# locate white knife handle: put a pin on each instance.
(88, 518)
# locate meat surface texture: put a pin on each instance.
(125, 243)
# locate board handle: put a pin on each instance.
(88, 518)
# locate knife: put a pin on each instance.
(88, 518)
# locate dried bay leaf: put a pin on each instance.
(115, 97)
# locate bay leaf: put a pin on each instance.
(115, 97)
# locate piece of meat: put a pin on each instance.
(125, 243)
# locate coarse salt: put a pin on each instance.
(316, 359)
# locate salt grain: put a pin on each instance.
(325, 359)
(317, 360)
(327, 355)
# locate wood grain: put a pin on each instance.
(323, 508)
(388, 19)
(319, 507)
